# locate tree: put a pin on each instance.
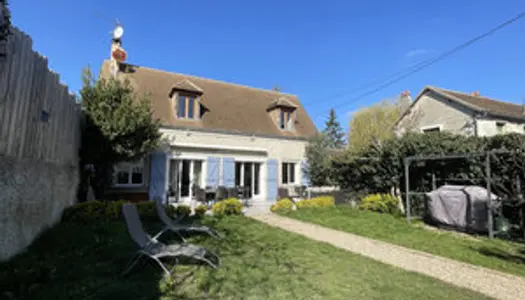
(5, 20)
(117, 126)
(375, 124)
(333, 132)
(318, 161)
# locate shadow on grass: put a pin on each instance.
(518, 258)
(85, 261)
(74, 261)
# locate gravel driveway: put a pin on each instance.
(489, 282)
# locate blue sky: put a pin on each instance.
(314, 49)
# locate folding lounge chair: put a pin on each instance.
(178, 228)
(151, 248)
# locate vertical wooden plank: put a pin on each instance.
(39, 72)
(5, 74)
(11, 89)
(61, 128)
(50, 140)
(25, 98)
(16, 90)
(46, 126)
(39, 126)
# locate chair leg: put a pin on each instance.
(215, 256)
(132, 263)
(166, 271)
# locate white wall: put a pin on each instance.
(199, 145)
(487, 127)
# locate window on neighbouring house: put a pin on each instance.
(431, 129)
(288, 173)
(499, 127)
(129, 174)
(286, 120)
(187, 107)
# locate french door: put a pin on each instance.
(184, 174)
(248, 174)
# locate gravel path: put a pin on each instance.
(489, 282)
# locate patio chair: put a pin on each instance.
(151, 248)
(178, 228)
(282, 193)
(222, 193)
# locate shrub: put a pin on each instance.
(183, 210)
(323, 201)
(283, 205)
(98, 211)
(230, 206)
(382, 203)
(201, 210)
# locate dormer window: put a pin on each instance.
(187, 107)
(186, 100)
(282, 111)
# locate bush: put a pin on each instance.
(382, 203)
(323, 201)
(282, 206)
(201, 210)
(230, 206)
(98, 211)
(183, 210)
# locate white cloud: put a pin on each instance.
(418, 52)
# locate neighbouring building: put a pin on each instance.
(437, 109)
(215, 134)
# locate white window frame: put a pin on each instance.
(424, 129)
(129, 167)
(289, 173)
(290, 125)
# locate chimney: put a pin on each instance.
(404, 100)
(117, 54)
(475, 94)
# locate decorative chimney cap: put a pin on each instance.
(475, 93)
(405, 93)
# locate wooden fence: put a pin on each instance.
(39, 118)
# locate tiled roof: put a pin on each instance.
(229, 107)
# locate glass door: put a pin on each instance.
(247, 174)
(184, 175)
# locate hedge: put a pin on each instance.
(380, 167)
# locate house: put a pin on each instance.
(214, 134)
(437, 109)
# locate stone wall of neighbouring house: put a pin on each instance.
(32, 197)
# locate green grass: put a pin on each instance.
(258, 262)
(495, 254)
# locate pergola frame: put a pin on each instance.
(408, 160)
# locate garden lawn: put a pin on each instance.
(71, 261)
(494, 254)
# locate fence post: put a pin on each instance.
(489, 196)
(407, 189)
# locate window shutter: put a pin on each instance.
(304, 174)
(272, 168)
(228, 172)
(212, 173)
(157, 183)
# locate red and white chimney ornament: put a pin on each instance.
(119, 54)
